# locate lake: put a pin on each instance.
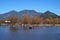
(37, 33)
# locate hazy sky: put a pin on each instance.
(38, 5)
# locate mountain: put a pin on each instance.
(49, 14)
(20, 14)
(31, 13)
(7, 15)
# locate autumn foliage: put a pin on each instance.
(34, 20)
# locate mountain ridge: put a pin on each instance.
(31, 13)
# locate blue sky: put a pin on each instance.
(38, 5)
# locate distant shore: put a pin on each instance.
(39, 25)
(48, 25)
(34, 25)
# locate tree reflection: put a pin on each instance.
(26, 28)
(14, 29)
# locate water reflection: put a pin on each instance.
(14, 29)
(26, 33)
(24, 28)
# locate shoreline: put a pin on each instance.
(44, 25)
(33, 25)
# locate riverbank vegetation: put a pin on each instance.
(26, 20)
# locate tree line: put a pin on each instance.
(28, 20)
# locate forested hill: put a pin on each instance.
(30, 13)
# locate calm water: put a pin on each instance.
(44, 33)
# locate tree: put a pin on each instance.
(1, 21)
(26, 20)
(57, 21)
(14, 19)
(51, 21)
(37, 20)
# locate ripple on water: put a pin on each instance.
(43, 33)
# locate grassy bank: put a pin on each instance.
(34, 25)
(38, 25)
